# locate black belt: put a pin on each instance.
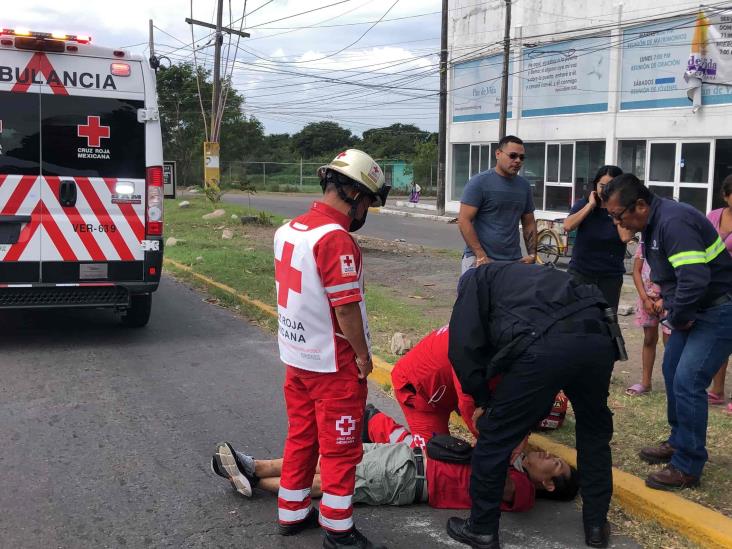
(419, 487)
(721, 300)
(584, 326)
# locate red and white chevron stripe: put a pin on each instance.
(50, 236)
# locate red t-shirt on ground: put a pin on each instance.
(448, 487)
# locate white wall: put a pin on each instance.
(478, 24)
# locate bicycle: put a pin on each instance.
(552, 244)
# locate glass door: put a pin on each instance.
(681, 171)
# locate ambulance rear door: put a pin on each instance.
(20, 165)
(92, 169)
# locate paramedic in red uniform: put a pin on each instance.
(324, 341)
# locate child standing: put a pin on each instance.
(647, 316)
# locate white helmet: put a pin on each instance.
(362, 172)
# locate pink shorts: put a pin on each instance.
(644, 320)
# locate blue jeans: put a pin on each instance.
(691, 359)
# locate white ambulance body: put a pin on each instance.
(80, 176)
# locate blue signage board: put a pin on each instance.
(476, 89)
(654, 58)
(566, 77)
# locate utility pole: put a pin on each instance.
(212, 173)
(442, 136)
(218, 40)
(504, 81)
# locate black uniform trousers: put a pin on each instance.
(578, 363)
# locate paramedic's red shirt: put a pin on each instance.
(448, 487)
(331, 252)
(427, 368)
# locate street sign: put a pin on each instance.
(211, 173)
(169, 182)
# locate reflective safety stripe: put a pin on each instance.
(342, 287)
(715, 249)
(285, 515)
(339, 525)
(695, 257)
(336, 502)
(687, 258)
(293, 495)
(395, 434)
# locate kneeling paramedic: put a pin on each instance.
(324, 341)
(542, 332)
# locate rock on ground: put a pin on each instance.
(184, 204)
(227, 234)
(171, 241)
(214, 214)
(400, 343)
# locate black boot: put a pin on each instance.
(368, 412)
(597, 536)
(459, 530)
(310, 521)
(352, 539)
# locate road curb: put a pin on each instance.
(400, 213)
(693, 521)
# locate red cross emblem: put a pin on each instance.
(348, 261)
(341, 155)
(287, 277)
(93, 131)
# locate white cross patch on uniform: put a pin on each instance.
(348, 265)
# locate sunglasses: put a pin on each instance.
(514, 155)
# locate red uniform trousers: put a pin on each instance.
(324, 413)
(384, 430)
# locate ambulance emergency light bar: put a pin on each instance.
(79, 38)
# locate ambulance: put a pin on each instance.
(81, 176)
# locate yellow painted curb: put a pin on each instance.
(693, 521)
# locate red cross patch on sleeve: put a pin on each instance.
(348, 265)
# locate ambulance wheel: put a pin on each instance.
(138, 314)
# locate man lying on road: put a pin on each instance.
(396, 474)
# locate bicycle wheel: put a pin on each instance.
(547, 248)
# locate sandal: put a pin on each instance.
(715, 399)
(637, 390)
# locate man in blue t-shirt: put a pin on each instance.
(492, 205)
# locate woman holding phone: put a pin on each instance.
(599, 248)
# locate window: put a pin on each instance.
(19, 136)
(695, 162)
(474, 159)
(460, 165)
(559, 177)
(589, 157)
(114, 144)
(632, 158)
(533, 171)
(663, 157)
(694, 196)
(485, 158)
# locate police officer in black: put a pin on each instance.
(542, 332)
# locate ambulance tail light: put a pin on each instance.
(120, 69)
(154, 215)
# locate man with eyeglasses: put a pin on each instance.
(492, 205)
(689, 262)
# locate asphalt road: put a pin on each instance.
(414, 231)
(107, 433)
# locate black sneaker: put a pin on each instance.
(352, 539)
(368, 412)
(227, 464)
(310, 521)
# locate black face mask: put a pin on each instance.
(356, 224)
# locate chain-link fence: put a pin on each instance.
(300, 176)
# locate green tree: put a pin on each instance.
(425, 160)
(242, 137)
(322, 139)
(397, 141)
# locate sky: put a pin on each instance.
(291, 70)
